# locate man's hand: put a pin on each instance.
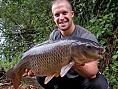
(28, 73)
(88, 70)
(77, 65)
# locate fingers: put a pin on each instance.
(26, 70)
(28, 73)
(78, 64)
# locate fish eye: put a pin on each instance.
(88, 46)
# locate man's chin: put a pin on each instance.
(63, 28)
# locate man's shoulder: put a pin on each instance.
(85, 33)
(55, 31)
(55, 34)
(82, 29)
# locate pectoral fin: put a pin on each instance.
(66, 68)
(48, 78)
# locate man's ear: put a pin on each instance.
(52, 17)
(72, 12)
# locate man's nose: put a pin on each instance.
(61, 16)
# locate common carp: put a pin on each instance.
(55, 58)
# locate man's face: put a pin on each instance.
(62, 16)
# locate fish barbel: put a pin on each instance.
(54, 58)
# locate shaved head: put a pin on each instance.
(57, 2)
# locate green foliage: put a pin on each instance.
(111, 72)
(102, 27)
(83, 10)
(24, 23)
(6, 64)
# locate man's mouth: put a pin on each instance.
(63, 23)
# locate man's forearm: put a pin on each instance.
(89, 70)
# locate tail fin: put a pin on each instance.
(16, 81)
(15, 78)
(10, 73)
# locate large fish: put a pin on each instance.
(55, 58)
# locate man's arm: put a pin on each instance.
(89, 70)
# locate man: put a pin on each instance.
(79, 77)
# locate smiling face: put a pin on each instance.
(63, 15)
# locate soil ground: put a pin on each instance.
(26, 83)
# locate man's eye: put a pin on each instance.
(57, 15)
(64, 13)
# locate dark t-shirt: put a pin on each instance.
(78, 32)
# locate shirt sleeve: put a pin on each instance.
(84, 33)
(51, 37)
(55, 35)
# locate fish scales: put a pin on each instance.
(50, 61)
(53, 58)
(45, 58)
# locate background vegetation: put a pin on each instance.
(24, 23)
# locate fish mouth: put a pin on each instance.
(100, 57)
(102, 51)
